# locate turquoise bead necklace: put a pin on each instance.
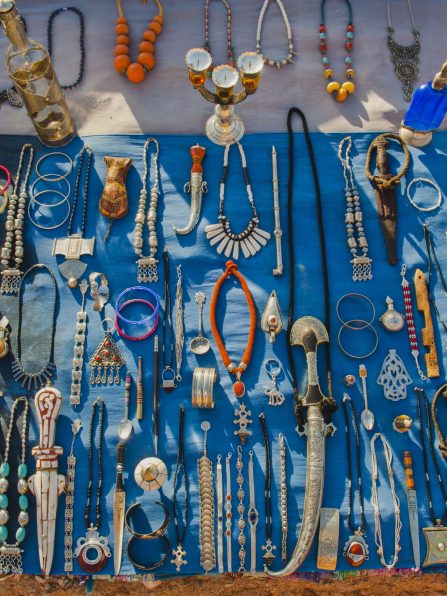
(11, 554)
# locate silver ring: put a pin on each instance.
(271, 369)
(346, 323)
(430, 182)
(40, 226)
(54, 177)
(46, 191)
(366, 326)
(32, 195)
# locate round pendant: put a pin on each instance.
(356, 551)
(92, 551)
(239, 389)
(150, 473)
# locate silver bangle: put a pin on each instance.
(40, 226)
(54, 177)
(430, 182)
(362, 297)
(365, 326)
(48, 190)
(203, 380)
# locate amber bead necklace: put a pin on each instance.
(136, 71)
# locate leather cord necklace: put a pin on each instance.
(51, 18)
(442, 391)
(328, 405)
(231, 269)
(179, 552)
(432, 259)
(168, 374)
(268, 556)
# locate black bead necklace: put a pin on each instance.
(432, 259)
(168, 374)
(268, 556)
(51, 18)
(179, 552)
(355, 549)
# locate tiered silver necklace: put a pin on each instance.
(267, 60)
(15, 217)
(252, 238)
(404, 58)
(147, 265)
(355, 232)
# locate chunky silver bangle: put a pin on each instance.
(431, 183)
(203, 380)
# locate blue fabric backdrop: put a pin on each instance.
(201, 268)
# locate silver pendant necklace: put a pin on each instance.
(404, 58)
(252, 238)
(289, 58)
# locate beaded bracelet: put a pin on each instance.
(120, 301)
(140, 337)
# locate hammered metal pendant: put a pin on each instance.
(356, 550)
(436, 539)
(106, 362)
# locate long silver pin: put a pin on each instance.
(278, 270)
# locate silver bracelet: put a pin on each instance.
(366, 326)
(219, 490)
(203, 380)
(228, 513)
(252, 514)
(241, 510)
(206, 496)
(69, 500)
(179, 332)
(431, 183)
(78, 349)
(40, 226)
(282, 451)
(53, 177)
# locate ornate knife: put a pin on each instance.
(412, 507)
(119, 510)
(196, 188)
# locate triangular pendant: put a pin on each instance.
(105, 361)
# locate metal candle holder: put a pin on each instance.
(224, 125)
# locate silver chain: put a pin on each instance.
(179, 330)
(252, 514)
(69, 499)
(241, 510)
(228, 513)
(219, 489)
(282, 451)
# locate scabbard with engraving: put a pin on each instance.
(119, 509)
(386, 202)
(196, 188)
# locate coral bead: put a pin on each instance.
(328, 73)
(122, 39)
(341, 95)
(333, 87)
(122, 29)
(239, 389)
(121, 63)
(348, 46)
(149, 36)
(323, 48)
(146, 46)
(155, 27)
(349, 87)
(121, 21)
(159, 19)
(135, 73)
(350, 27)
(121, 49)
(147, 59)
(322, 28)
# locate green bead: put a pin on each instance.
(3, 533)
(20, 534)
(22, 471)
(3, 501)
(23, 502)
(4, 469)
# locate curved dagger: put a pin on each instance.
(196, 187)
(309, 332)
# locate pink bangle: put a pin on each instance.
(140, 337)
(8, 179)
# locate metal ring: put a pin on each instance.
(47, 191)
(346, 323)
(158, 533)
(54, 177)
(119, 305)
(269, 368)
(149, 566)
(33, 196)
(366, 326)
(104, 320)
(40, 226)
(427, 181)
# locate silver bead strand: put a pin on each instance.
(241, 510)
(289, 57)
(282, 450)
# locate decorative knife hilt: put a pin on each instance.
(140, 389)
(408, 465)
(382, 156)
(119, 467)
(428, 335)
(195, 187)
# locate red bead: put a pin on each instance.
(350, 27)
(107, 344)
(239, 389)
(106, 353)
(115, 358)
(322, 28)
(348, 46)
(323, 48)
(98, 358)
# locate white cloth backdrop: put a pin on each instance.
(107, 103)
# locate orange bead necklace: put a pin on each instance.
(136, 71)
(231, 269)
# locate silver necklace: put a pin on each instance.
(252, 514)
(404, 58)
(228, 513)
(78, 349)
(219, 488)
(206, 496)
(282, 450)
(241, 510)
(267, 60)
(179, 331)
(69, 499)
(147, 265)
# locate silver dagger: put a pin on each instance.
(412, 507)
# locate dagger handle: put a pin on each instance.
(197, 154)
(119, 467)
(408, 465)
(382, 156)
(140, 389)
(127, 395)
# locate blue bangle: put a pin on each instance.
(123, 297)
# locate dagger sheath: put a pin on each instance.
(119, 510)
(195, 187)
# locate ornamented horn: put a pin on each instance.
(196, 187)
(309, 332)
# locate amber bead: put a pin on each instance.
(333, 87)
(149, 36)
(155, 27)
(341, 95)
(147, 59)
(121, 20)
(349, 87)
(122, 39)
(146, 46)
(122, 29)
(350, 73)
(328, 73)
(121, 63)
(121, 49)
(135, 73)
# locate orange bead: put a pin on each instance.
(121, 20)
(146, 46)
(155, 27)
(121, 49)
(159, 19)
(122, 39)
(149, 36)
(341, 95)
(135, 73)
(122, 29)
(146, 59)
(239, 389)
(121, 63)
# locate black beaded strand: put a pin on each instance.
(180, 536)
(51, 18)
(98, 403)
(84, 150)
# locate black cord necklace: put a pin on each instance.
(268, 557)
(36, 378)
(92, 551)
(355, 549)
(329, 405)
(168, 374)
(84, 150)
(179, 552)
(433, 259)
(51, 18)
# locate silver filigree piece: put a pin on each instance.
(242, 421)
(394, 377)
(78, 350)
(241, 510)
(69, 499)
(206, 496)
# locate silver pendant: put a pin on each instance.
(242, 420)
(10, 560)
(356, 550)
(168, 379)
(271, 321)
(273, 368)
(394, 377)
(106, 362)
(4, 335)
(10, 281)
(92, 551)
(391, 319)
(72, 248)
(361, 268)
(178, 559)
(436, 539)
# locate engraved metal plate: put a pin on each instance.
(328, 539)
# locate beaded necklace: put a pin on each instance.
(267, 60)
(206, 45)
(179, 552)
(11, 554)
(15, 217)
(268, 556)
(136, 71)
(340, 92)
(53, 15)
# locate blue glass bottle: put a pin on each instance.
(427, 109)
